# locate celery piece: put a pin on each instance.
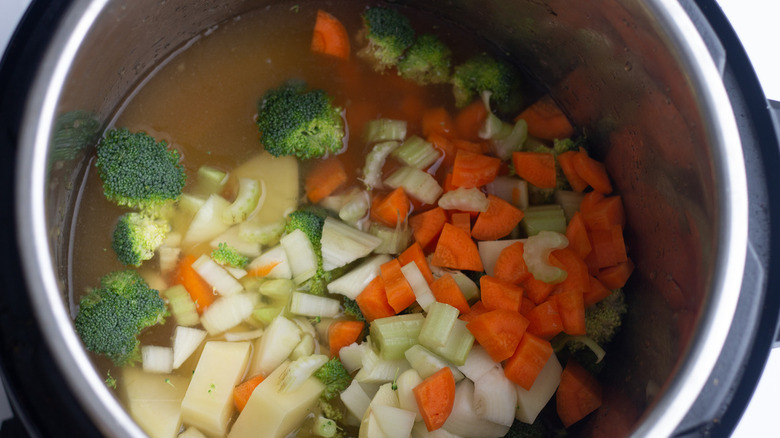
(503, 147)
(544, 218)
(569, 201)
(210, 180)
(352, 283)
(251, 194)
(511, 189)
(463, 199)
(305, 304)
(536, 254)
(458, 344)
(394, 240)
(182, 307)
(264, 233)
(299, 371)
(395, 334)
(355, 207)
(304, 348)
(427, 363)
(265, 315)
(419, 185)
(467, 286)
(422, 292)
(300, 255)
(324, 427)
(438, 325)
(375, 160)
(416, 152)
(343, 244)
(169, 258)
(379, 130)
(278, 288)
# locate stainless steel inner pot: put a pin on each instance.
(636, 76)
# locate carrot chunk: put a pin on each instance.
(596, 293)
(470, 119)
(577, 234)
(343, 333)
(499, 332)
(325, 178)
(447, 291)
(399, 292)
(373, 301)
(578, 394)
(566, 161)
(427, 225)
(510, 264)
(456, 250)
(474, 170)
(391, 209)
(537, 290)
(571, 308)
(497, 294)
(544, 320)
(538, 168)
(462, 221)
(330, 36)
(498, 221)
(529, 358)
(593, 172)
(435, 398)
(200, 291)
(415, 254)
(437, 121)
(546, 120)
(616, 276)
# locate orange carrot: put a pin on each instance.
(330, 37)
(326, 176)
(526, 306)
(537, 290)
(528, 360)
(616, 276)
(609, 249)
(447, 291)
(435, 398)
(596, 293)
(242, 392)
(593, 172)
(448, 186)
(546, 120)
(427, 225)
(510, 265)
(373, 300)
(456, 250)
(577, 276)
(399, 292)
(499, 332)
(604, 213)
(474, 170)
(470, 146)
(566, 160)
(571, 308)
(262, 271)
(470, 119)
(544, 320)
(437, 121)
(578, 236)
(498, 221)
(200, 291)
(589, 202)
(415, 254)
(343, 333)
(477, 309)
(578, 394)
(538, 168)
(445, 146)
(462, 221)
(497, 294)
(390, 209)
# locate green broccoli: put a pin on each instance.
(311, 221)
(485, 73)
(111, 317)
(427, 61)
(387, 34)
(335, 377)
(136, 237)
(293, 121)
(352, 309)
(138, 171)
(226, 255)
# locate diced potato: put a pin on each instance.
(208, 403)
(530, 403)
(153, 400)
(270, 413)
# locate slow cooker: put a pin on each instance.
(662, 88)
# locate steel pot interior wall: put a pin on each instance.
(629, 73)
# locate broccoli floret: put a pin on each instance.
(111, 317)
(427, 61)
(137, 236)
(138, 171)
(387, 34)
(335, 377)
(485, 73)
(331, 410)
(226, 255)
(305, 124)
(352, 309)
(525, 430)
(603, 319)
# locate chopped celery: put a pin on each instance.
(544, 218)
(265, 315)
(495, 398)
(210, 180)
(274, 261)
(511, 189)
(419, 185)
(264, 233)
(489, 250)
(503, 147)
(207, 222)
(395, 334)
(427, 363)
(379, 130)
(467, 286)
(185, 341)
(355, 207)
(569, 202)
(375, 369)
(464, 200)
(343, 244)
(300, 255)
(305, 304)
(438, 324)
(216, 276)
(181, 305)
(251, 195)
(531, 402)
(375, 160)
(277, 289)
(394, 240)
(536, 254)
(324, 427)
(157, 359)
(416, 152)
(352, 283)
(422, 292)
(458, 344)
(227, 312)
(299, 371)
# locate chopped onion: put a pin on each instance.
(300, 255)
(494, 397)
(531, 402)
(227, 312)
(300, 370)
(305, 304)
(185, 341)
(462, 199)
(352, 283)
(157, 359)
(355, 399)
(243, 335)
(419, 285)
(394, 422)
(463, 419)
(478, 362)
(343, 244)
(216, 276)
(276, 259)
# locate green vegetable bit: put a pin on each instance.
(226, 255)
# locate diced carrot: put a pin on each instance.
(242, 392)
(544, 320)
(470, 119)
(444, 145)
(456, 250)
(603, 214)
(437, 121)
(609, 249)
(330, 36)
(391, 209)
(578, 394)
(527, 361)
(324, 178)
(462, 221)
(546, 120)
(498, 332)
(589, 202)
(447, 291)
(200, 291)
(415, 254)
(577, 276)
(616, 276)
(537, 290)
(497, 294)
(526, 306)
(427, 225)
(474, 170)
(399, 292)
(470, 146)
(262, 271)
(593, 172)
(498, 221)
(578, 236)
(571, 308)
(373, 300)
(343, 333)
(538, 168)
(566, 160)
(596, 293)
(448, 186)
(435, 398)
(476, 309)
(510, 264)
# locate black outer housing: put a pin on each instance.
(44, 406)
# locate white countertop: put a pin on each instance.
(753, 21)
